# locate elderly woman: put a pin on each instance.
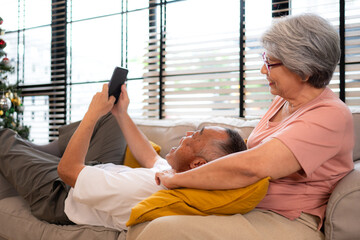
(304, 143)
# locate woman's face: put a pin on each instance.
(282, 81)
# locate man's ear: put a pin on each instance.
(197, 162)
(306, 79)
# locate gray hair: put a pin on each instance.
(306, 44)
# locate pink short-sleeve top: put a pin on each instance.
(320, 135)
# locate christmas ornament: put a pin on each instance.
(5, 61)
(1, 21)
(9, 94)
(1, 112)
(16, 101)
(2, 31)
(20, 108)
(5, 103)
(2, 44)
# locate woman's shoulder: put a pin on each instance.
(330, 101)
(328, 107)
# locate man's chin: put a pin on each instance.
(168, 159)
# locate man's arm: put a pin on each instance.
(271, 159)
(138, 143)
(73, 159)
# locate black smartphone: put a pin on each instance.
(117, 80)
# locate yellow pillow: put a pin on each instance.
(187, 201)
(130, 160)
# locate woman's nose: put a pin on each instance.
(263, 69)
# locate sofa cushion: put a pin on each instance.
(17, 222)
(6, 189)
(187, 201)
(343, 211)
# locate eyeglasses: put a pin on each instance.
(269, 65)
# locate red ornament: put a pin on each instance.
(5, 61)
(2, 44)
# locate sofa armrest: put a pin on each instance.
(343, 209)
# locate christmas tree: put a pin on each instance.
(11, 108)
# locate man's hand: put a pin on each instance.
(166, 178)
(138, 143)
(122, 105)
(101, 104)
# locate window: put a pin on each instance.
(193, 64)
(186, 58)
(352, 53)
(28, 34)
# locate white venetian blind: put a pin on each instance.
(257, 97)
(200, 60)
(44, 69)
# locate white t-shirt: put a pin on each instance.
(104, 194)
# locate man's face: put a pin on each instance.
(191, 145)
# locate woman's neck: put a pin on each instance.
(302, 97)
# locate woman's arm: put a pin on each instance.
(138, 143)
(72, 161)
(237, 170)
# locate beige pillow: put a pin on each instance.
(165, 133)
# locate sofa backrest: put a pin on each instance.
(167, 133)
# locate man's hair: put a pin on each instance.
(234, 144)
(219, 148)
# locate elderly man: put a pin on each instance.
(105, 193)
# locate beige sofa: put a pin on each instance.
(342, 215)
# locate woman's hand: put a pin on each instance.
(122, 105)
(166, 178)
(101, 104)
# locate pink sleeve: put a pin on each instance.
(317, 136)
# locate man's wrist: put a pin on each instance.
(90, 118)
(121, 116)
